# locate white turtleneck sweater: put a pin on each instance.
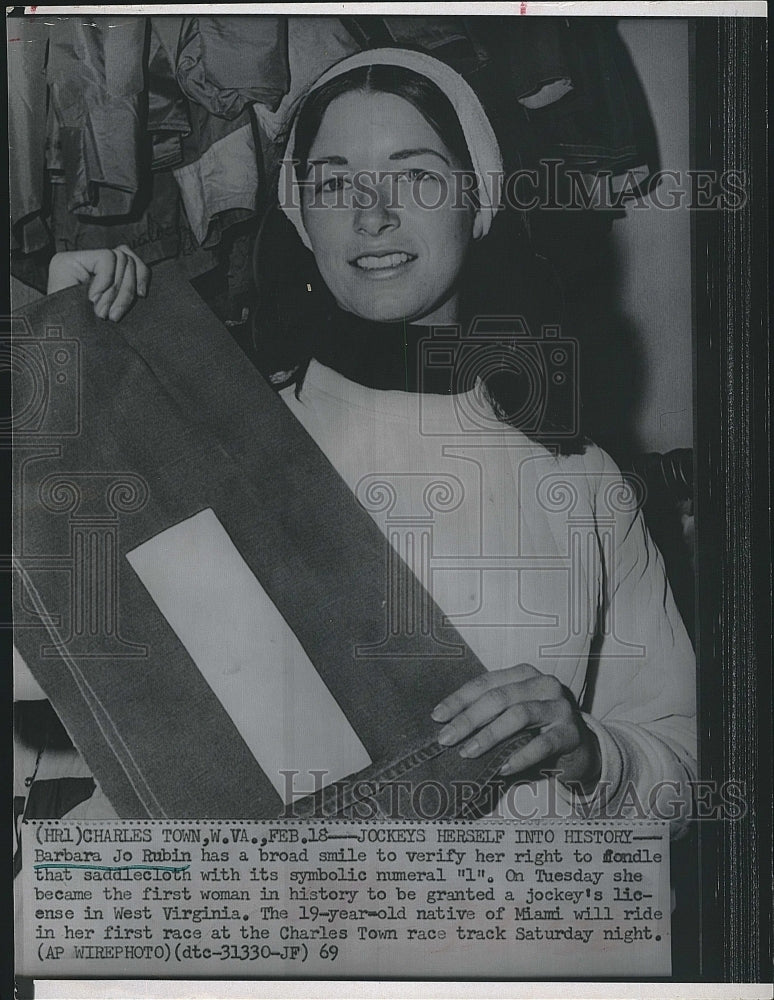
(534, 559)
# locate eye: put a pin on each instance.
(414, 174)
(335, 183)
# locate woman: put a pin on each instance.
(390, 179)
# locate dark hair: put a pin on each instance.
(294, 303)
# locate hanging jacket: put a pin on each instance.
(122, 90)
(27, 51)
(222, 65)
(96, 79)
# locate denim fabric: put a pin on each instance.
(167, 419)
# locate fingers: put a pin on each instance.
(119, 277)
(497, 705)
(77, 267)
(512, 721)
(115, 278)
(478, 687)
(109, 284)
(127, 290)
(143, 276)
(506, 704)
(548, 743)
(104, 271)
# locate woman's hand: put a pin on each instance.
(115, 278)
(499, 704)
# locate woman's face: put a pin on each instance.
(377, 170)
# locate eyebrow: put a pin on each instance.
(401, 154)
(339, 161)
(405, 154)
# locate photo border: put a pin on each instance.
(732, 478)
(732, 483)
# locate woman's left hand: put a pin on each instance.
(500, 703)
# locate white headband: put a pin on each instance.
(482, 144)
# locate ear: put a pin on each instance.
(478, 225)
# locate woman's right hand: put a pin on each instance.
(115, 278)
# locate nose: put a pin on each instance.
(378, 216)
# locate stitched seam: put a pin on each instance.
(345, 790)
(369, 786)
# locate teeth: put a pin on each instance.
(389, 260)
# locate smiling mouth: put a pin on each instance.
(382, 262)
